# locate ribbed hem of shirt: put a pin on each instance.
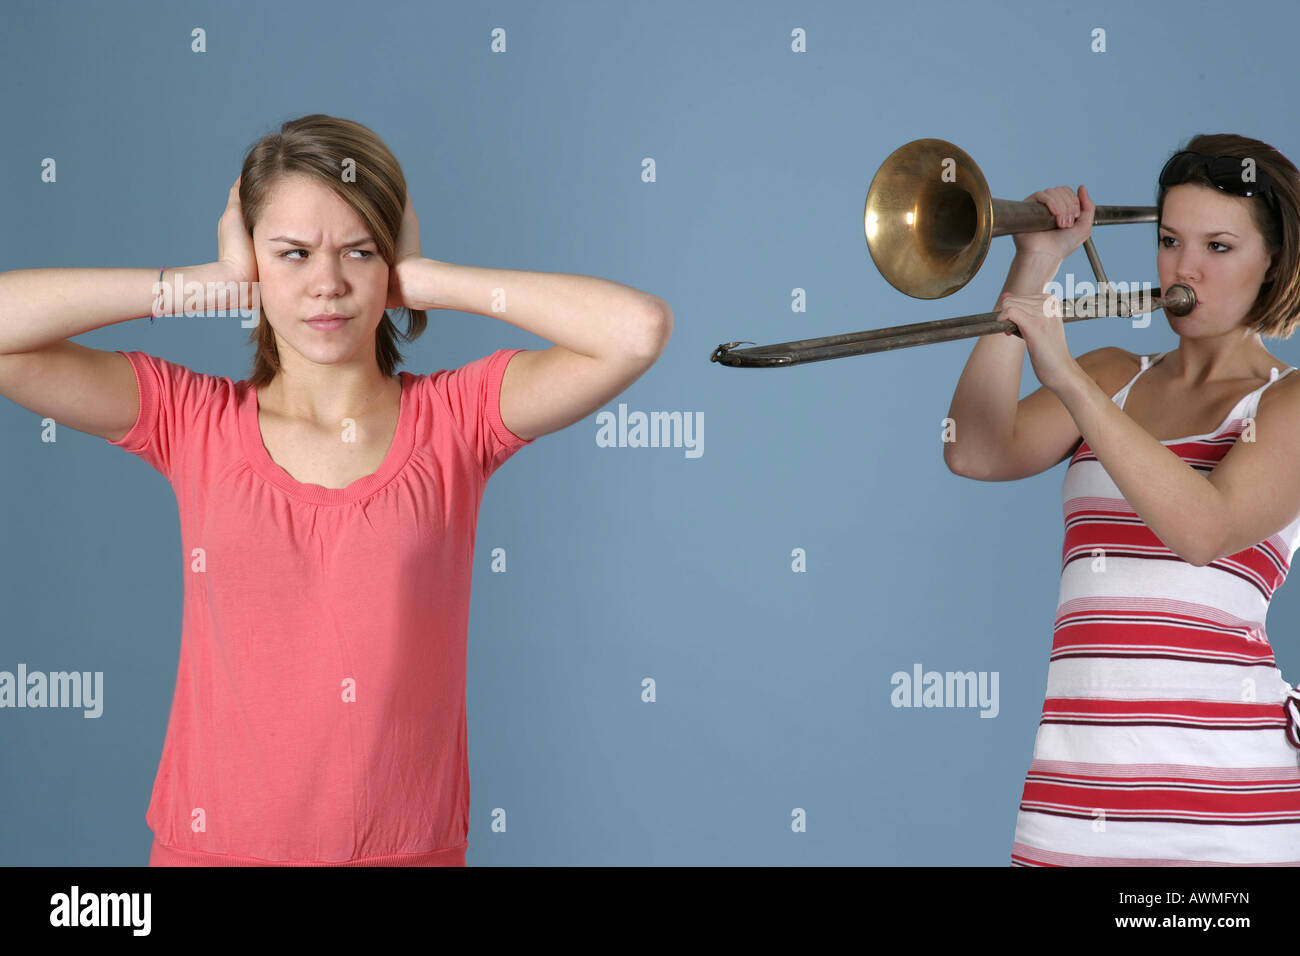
(147, 395)
(161, 855)
(496, 372)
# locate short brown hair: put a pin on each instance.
(1276, 310)
(318, 147)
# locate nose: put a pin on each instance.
(327, 276)
(1187, 266)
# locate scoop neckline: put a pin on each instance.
(1218, 428)
(260, 459)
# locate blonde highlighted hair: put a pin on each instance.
(318, 147)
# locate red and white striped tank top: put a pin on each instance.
(1168, 736)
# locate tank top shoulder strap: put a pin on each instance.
(1147, 361)
(1251, 401)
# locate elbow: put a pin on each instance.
(1199, 557)
(1209, 546)
(953, 465)
(654, 330)
(960, 471)
(1213, 535)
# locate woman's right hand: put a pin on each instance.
(234, 244)
(1073, 223)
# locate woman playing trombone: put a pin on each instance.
(1168, 735)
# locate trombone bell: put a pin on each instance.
(929, 218)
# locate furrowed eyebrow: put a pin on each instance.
(1221, 232)
(300, 242)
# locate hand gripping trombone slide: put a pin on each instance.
(929, 236)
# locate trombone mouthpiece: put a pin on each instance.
(1179, 300)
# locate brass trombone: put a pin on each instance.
(929, 219)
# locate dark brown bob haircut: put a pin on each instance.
(1276, 310)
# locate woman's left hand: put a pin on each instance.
(1038, 321)
(406, 253)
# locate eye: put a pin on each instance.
(1161, 241)
(288, 252)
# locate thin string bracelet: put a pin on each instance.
(160, 275)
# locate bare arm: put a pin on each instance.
(987, 398)
(41, 369)
(93, 390)
(606, 336)
(39, 307)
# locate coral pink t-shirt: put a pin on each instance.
(319, 713)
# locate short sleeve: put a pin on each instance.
(472, 394)
(171, 399)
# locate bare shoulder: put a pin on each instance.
(1286, 390)
(1110, 367)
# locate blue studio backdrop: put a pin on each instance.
(771, 577)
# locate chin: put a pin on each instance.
(326, 353)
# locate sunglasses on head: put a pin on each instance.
(1225, 172)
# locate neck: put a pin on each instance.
(1198, 362)
(325, 394)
